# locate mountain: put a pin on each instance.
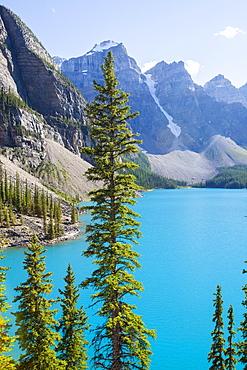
(222, 90)
(42, 104)
(31, 75)
(38, 105)
(175, 113)
(83, 70)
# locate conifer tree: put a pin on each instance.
(45, 222)
(74, 216)
(51, 228)
(1, 216)
(57, 218)
(230, 360)
(18, 192)
(6, 216)
(72, 325)
(27, 198)
(3, 190)
(12, 216)
(121, 341)
(242, 346)
(6, 341)
(11, 192)
(217, 352)
(36, 325)
(6, 186)
(37, 202)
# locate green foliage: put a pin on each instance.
(217, 352)
(36, 325)
(28, 202)
(74, 214)
(72, 325)
(69, 121)
(50, 170)
(234, 177)
(242, 346)
(230, 350)
(121, 341)
(6, 342)
(62, 195)
(10, 101)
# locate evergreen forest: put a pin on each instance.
(17, 200)
(234, 177)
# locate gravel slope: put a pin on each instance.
(196, 167)
(70, 168)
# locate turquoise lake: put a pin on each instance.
(193, 240)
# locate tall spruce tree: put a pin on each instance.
(242, 346)
(231, 352)
(17, 192)
(72, 325)
(121, 341)
(74, 215)
(6, 341)
(217, 352)
(36, 326)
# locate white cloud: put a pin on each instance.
(230, 32)
(148, 65)
(54, 10)
(192, 67)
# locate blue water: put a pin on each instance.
(193, 240)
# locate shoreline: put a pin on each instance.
(63, 238)
(20, 235)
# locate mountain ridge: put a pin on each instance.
(175, 113)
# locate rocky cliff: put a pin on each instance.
(31, 75)
(194, 115)
(37, 105)
(151, 123)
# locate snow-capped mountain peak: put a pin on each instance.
(105, 45)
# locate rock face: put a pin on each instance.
(198, 115)
(29, 73)
(222, 90)
(175, 113)
(83, 70)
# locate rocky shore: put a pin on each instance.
(20, 234)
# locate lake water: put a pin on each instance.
(193, 240)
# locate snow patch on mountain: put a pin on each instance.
(175, 129)
(105, 45)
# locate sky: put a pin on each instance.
(210, 36)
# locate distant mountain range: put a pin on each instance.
(181, 124)
(187, 130)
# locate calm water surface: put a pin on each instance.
(193, 240)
